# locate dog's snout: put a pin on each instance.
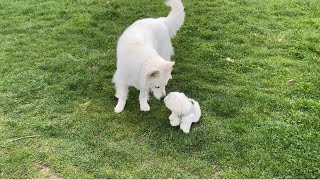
(162, 98)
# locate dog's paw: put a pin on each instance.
(118, 109)
(145, 107)
(120, 106)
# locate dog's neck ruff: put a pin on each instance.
(191, 111)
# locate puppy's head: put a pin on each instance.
(178, 103)
(157, 79)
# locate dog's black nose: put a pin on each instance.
(162, 98)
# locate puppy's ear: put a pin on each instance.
(153, 73)
(184, 96)
(168, 66)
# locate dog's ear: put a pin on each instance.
(153, 73)
(168, 66)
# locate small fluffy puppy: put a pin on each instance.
(185, 111)
(144, 53)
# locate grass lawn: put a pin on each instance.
(253, 65)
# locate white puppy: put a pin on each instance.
(143, 56)
(185, 111)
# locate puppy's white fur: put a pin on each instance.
(143, 56)
(185, 111)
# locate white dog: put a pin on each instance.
(185, 111)
(143, 56)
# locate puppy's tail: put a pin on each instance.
(175, 19)
(197, 110)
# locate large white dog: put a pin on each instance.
(143, 56)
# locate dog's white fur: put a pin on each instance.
(143, 56)
(185, 111)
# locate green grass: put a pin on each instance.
(260, 113)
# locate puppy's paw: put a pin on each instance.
(185, 126)
(185, 129)
(145, 107)
(174, 120)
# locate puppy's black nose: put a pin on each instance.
(162, 98)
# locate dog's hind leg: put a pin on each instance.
(121, 94)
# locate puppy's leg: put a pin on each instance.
(143, 99)
(186, 123)
(185, 126)
(121, 94)
(174, 119)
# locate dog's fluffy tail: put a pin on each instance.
(175, 19)
(197, 110)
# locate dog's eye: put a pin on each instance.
(157, 87)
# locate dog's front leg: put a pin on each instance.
(143, 99)
(121, 94)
